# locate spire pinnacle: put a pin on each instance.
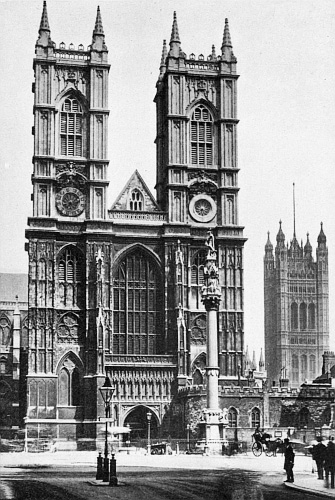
(226, 42)
(175, 32)
(175, 49)
(213, 53)
(98, 29)
(44, 25)
(163, 61)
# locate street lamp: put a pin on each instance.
(107, 393)
(149, 415)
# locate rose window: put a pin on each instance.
(202, 207)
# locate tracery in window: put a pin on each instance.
(5, 327)
(201, 136)
(71, 277)
(137, 302)
(71, 128)
(232, 417)
(69, 390)
(136, 200)
(255, 417)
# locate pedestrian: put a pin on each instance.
(319, 455)
(330, 464)
(289, 461)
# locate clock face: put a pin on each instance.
(70, 201)
(202, 208)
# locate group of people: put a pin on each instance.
(324, 457)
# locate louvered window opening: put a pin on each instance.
(201, 137)
(69, 267)
(197, 270)
(71, 128)
(136, 315)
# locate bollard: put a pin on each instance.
(105, 472)
(99, 467)
(113, 478)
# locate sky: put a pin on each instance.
(286, 107)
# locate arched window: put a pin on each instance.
(311, 316)
(232, 417)
(137, 301)
(312, 366)
(71, 128)
(255, 417)
(303, 367)
(201, 136)
(71, 277)
(136, 201)
(303, 316)
(5, 336)
(197, 277)
(295, 368)
(69, 390)
(294, 316)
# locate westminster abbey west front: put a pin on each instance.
(116, 289)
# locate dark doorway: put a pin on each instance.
(138, 423)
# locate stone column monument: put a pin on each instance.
(211, 296)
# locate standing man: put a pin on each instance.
(319, 455)
(289, 461)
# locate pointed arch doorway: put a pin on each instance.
(138, 423)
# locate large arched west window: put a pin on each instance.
(294, 316)
(137, 319)
(71, 128)
(201, 136)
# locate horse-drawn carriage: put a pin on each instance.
(264, 443)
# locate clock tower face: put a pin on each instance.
(70, 201)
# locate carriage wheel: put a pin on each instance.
(268, 452)
(256, 449)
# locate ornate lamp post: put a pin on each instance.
(107, 393)
(149, 415)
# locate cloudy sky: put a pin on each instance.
(286, 106)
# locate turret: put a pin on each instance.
(98, 48)
(162, 67)
(227, 48)
(175, 48)
(261, 364)
(308, 249)
(281, 249)
(44, 46)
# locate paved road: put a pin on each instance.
(143, 483)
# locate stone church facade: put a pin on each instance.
(117, 291)
(296, 309)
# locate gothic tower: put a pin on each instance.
(69, 200)
(197, 187)
(295, 309)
